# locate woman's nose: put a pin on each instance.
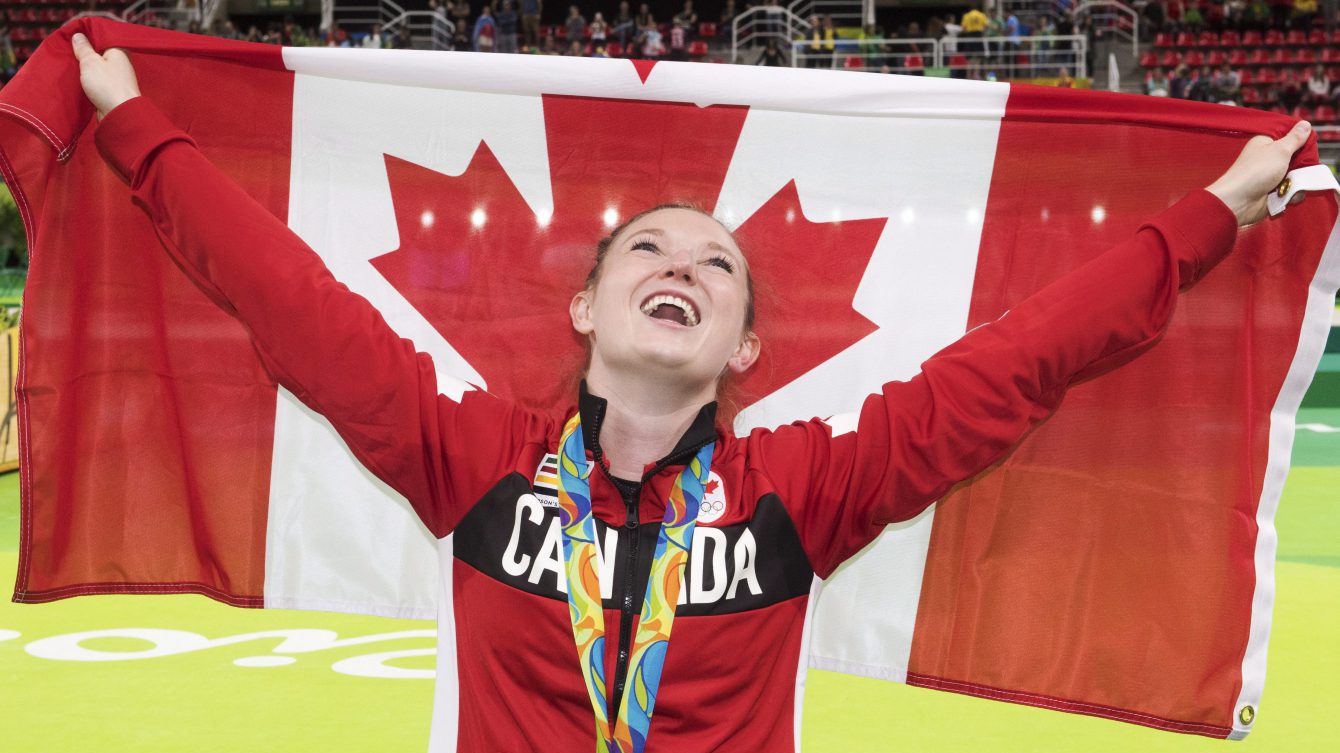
(680, 267)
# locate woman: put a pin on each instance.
(667, 314)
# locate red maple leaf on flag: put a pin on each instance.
(711, 487)
(496, 279)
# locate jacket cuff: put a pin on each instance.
(131, 133)
(1207, 229)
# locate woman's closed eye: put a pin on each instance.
(723, 263)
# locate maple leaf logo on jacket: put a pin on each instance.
(480, 265)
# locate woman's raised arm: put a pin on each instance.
(327, 345)
(978, 397)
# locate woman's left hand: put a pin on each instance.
(1257, 171)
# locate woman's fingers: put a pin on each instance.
(108, 79)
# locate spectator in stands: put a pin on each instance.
(652, 44)
(439, 26)
(679, 42)
(1158, 84)
(1064, 80)
(1234, 13)
(1303, 13)
(1225, 86)
(599, 29)
(575, 23)
(687, 19)
(829, 42)
(643, 23)
(460, 16)
(1318, 87)
(1193, 20)
(375, 39)
(486, 30)
(1258, 15)
(1202, 89)
(625, 28)
(1179, 87)
(727, 19)
(952, 31)
(576, 49)
(402, 40)
(507, 22)
(814, 50)
(772, 55)
(974, 26)
(530, 21)
(336, 38)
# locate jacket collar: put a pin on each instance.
(701, 432)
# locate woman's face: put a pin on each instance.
(671, 297)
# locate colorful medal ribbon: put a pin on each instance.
(629, 734)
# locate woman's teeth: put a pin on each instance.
(686, 309)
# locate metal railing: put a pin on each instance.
(427, 29)
(843, 12)
(990, 57)
(755, 26)
(1113, 17)
(167, 14)
(895, 55)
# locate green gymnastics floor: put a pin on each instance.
(201, 701)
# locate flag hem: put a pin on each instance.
(1074, 707)
(1283, 415)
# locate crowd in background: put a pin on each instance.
(1284, 87)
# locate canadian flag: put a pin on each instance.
(1118, 563)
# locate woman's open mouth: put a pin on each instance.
(671, 308)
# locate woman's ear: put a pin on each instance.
(746, 353)
(580, 312)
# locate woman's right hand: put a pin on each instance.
(108, 79)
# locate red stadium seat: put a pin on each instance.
(1194, 58)
(1237, 57)
(1317, 37)
(1251, 38)
(1296, 37)
(913, 61)
(1282, 56)
(1208, 39)
(1259, 57)
(1324, 114)
(1229, 39)
(1170, 59)
(1305, 57)
(697, 49)
(1186, 39)
(1266, 76)
(1330, 55)
(1302, 113)
(1329, 135)
(1335, 36)
(961, 61)
(1147, 60)
(1216, 58)
(1163, 39)
(855, 62)
(707, 30)
(1333, 73)
(1274, 37)
(614, 50)
(1245, 77)
(1251, 96)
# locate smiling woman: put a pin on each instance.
(628, 504)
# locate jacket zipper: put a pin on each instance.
(629, 603)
